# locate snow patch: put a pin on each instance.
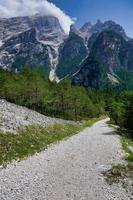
(53, 76)
(1, 43)
(113, 79)
(54, 60)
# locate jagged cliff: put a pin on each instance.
(110, 55)
(34, 40)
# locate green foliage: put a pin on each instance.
(69, 66)
(127, 143)
(61, 100)
(126, 80)
(32, 139)
(120, 108)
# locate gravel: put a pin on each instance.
(69, 170)
(13, 117)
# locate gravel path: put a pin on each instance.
(69, 170)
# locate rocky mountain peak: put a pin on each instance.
(74, 30)
(97, 27)
(111, 44)
(31, 39)
(47, 27)
(86, 27)
(109, 26)
(85, 31)
(105, 67)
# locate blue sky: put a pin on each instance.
(120, 11)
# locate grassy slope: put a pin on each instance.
(35, 139)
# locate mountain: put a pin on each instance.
(34, 40)
(47, 27)
(78, 45)
(110, 55)
(25, 48)
(109, 25)
(41, 42)
(90, 32)
(86, 30)
(99, 27)
(71, 53)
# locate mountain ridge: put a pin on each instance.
(41, 42)
(103, 67)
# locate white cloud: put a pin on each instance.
(13, 8)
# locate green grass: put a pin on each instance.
(90, 122)
(34, 139)
(127, 142)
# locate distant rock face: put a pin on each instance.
(109, 54)
(126, 56)
(86, 31)
(41, 42)
(47, 27)
(32, 40)
(105, 41)
(86, 27)
(71, 53)
(91, 32)
(100, 27)
(25, 48)
(107, 48)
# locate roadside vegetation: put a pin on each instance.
(120, 109)
(119, 105)
(122, 173)
(31, 89)
(62, 100)
(34, 139)
(127, 144)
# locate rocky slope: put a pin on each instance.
(110, 55)
(47, 27)
(33, 40)
(71, 53)
(90, 32)
(25, 48)
(79, 43)
(13, 117)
